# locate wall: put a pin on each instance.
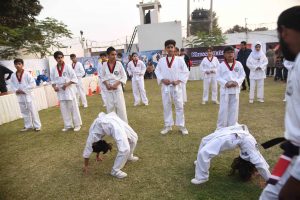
(153, 36)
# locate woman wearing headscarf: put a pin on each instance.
(257, 63)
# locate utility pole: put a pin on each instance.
(211, 17)
(188, 19)
(246, 30)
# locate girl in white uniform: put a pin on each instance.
(22, 84)
(209, 66)
(136, 69)
(79, 71)
(112, 75)
(171, 71)
(63, 80)
(230, 76)
(229, 138)
(257, 63)
(125, 137)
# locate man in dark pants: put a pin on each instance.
(186, 58)
(3, 71)
(242, 57)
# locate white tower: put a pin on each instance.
(152, 15)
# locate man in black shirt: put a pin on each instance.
(3, 71)
(242, 57)
(186, 58)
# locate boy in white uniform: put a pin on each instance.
(209, 67)
(257, 63)
(171, 71)
(136, 69)
(22, 84)
(79, 71)
(288, 185)
(63, 79)
(229, 138)
(112, 75)
(230, 76)
(103, 57)
(110, 124)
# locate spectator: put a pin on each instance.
(3, 71)
(271, 60)
(242, 57)
(186, 58)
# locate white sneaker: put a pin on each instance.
(133, 158)
(183, 130)
(136, 104)
(261, 100)
(166, 130)
(195, 162)
(85, 106)
(37, 129)
(25, 129)
(118, 174)
(65, 129)
(77, 128)
(250, 101)
(216, 102)
(203, 102)
(146, 104)
(198, 182)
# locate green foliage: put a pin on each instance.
(20, 31)
(204, 39)
(241, 29)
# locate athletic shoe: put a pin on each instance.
(261, 100)
(198, 182)
(118, 174)
(203, 102)
(216, 102)
(250, 101)
(133, 158)
(65, 129)
(25, 129)
(183, 130)
(37, 129)
(77, 128)
(166, 130)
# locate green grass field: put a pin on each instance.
(48, 164)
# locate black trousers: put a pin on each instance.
(270, 71)
(247, 72)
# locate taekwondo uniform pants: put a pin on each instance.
(81, 93)
(125, 150)
(30, 115)
(184, 95)
(214, 88)
(103, 88)
(173, 93)
(138, 89)
(209, 148)
(260, 88)
(228, 111)
(271, 192)
(69, 110)
(115, 102)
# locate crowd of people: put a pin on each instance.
(172, 72)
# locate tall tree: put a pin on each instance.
(237, 29)
(19, 30)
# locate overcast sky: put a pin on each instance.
(109, 20)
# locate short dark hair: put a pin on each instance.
(245, 168)
(177, 49)
(134, 53)
(19, 60)
(228, 48)
(244, 42)
(182, 49)
(168, 42)
(210, 48)
(72, 55)
(101, 145)
(290, 18)
(110, 49)
(103, 54)
(58, 53)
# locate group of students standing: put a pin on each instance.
(172, 73)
